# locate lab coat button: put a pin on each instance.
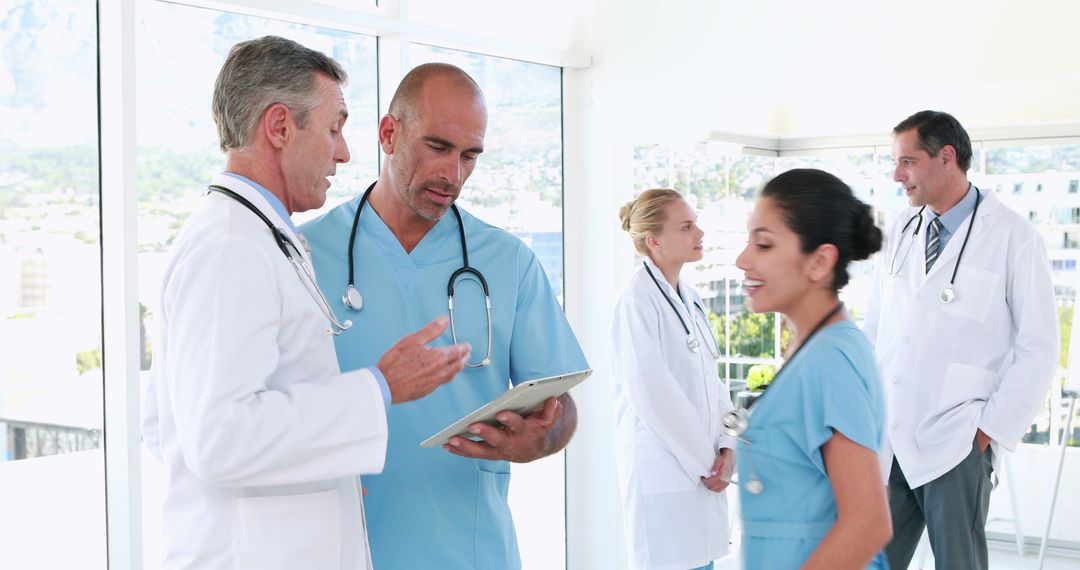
(895, 425)
(918, 296)
(907, 339)
(895, 379)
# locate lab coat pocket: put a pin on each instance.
(976, 291)
(964, 384)
(496, 546)
(659, 469)
(285, 532)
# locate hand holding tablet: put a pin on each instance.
(521, 399)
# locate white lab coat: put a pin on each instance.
(984, 361)
(669, 406)
(261, 434)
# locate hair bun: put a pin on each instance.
(625, 212)
(867, 235)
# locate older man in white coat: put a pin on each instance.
(262, 435)
(965, 328)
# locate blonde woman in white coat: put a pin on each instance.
(669, 400)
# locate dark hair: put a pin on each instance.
(937, 129)
(821, 209)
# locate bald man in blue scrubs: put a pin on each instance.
(445, 508)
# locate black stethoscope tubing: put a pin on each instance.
(949, 292)
(283, 242)
(465, 269)
(736, 422)
(691, 340)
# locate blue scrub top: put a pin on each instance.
(831, 384)
(430, 508)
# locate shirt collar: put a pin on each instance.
(956, 215)
(274, 201)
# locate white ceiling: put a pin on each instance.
(793, 69)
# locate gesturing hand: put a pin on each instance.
(413, 369)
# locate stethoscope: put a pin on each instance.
(736, 422)
(691, 339)
(948, 294)
(355, 301)
(296, 260)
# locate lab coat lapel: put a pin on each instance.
(670, 291)
(252, 195)
(947, 260)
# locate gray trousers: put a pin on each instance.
(953, 509)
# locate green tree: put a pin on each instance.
(1065, 320)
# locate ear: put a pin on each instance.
(947, 154)
(277, 123)
(652, 243)
(821, 263)
(389, 133)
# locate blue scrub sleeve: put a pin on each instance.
(542, 343)
(383, 385)
(836, 396)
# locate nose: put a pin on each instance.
(741, 260)
(897, 176)
(700, 232)
(451, 170)
(341, 152)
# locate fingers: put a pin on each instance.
(455, 352)
(714, 483)
(464, 447)
(512, 422)
(430, 332)
(494, 436)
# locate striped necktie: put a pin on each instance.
(933, 243)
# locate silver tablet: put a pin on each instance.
(521, 399)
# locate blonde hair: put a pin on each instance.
(645, 216)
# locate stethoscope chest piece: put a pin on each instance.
(736, 422)
(692, 343)
(948, 295)
(352, 298)
(754, 486)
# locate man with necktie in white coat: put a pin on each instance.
(964, 325)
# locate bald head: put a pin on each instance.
(406, 101)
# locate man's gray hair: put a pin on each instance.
(262, 72)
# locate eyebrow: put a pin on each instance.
(761, 230)
(446, 143)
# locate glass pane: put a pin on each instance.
(517, 185)
(52, 487)
(180, 51)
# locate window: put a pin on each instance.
(51, 460)
(518, 185)
(1074, 185)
